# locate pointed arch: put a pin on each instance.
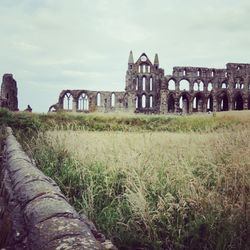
(67, 101)
(148, 69)
(143, 101)
(198, 102)
(198, 85)
(224, 85)
(113, 99)
(171, 84)
(151, 83)
(223, 101)
(201, 86)
(53, 108)
(137, 102)
(144, 83)
(210, 86)
(83, 102)
(98, 99)
(184, 103)
(151, 101)
(184, 84)
(137, 83)
(238, 103)
(210, 103)
(239, 83)
(171, 103)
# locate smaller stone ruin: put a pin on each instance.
(8, 96)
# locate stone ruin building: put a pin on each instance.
(8, 96)
(148, 90)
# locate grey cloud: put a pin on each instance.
(52, 45)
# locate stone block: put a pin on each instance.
(57, 228)
(45, 208)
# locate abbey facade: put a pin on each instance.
(8, 96)
(148, 90)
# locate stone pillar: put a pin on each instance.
(176, 105)
(230, 103)
(191, 86)
(205, 105)
(147, 101)
(163, 103)
(245, 103)
(74, 105)
(205, 86)
(215, 105)
(184, 106)
(131, 102)
(177, 86)
(200, 105)
(60, 102)
(190, 107)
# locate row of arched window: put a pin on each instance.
(199, 86)
(144, 101)
(144, 68)
(83, 101)
(144, 85)
(82, 104)
(147, 101)
(199, 103)
(99, 103)
(198, 73)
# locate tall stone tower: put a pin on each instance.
(143, 81)
(130, 94)
(9, 92)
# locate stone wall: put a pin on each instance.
(34, 212)
(92, 101)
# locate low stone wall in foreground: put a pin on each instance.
(34, 212)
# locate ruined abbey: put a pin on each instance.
(8, 96)
(148, 90)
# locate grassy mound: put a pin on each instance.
(129, 122)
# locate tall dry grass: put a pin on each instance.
(156, 190)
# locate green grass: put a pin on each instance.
(129, 122)
(149, 182)
(141, 193)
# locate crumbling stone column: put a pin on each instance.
(163, 104)
(176, 105)
(245, 103)
(74, 105)
(215, 105)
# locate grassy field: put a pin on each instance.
(148, 188)
(27, 122)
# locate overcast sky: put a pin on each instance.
(50, 45)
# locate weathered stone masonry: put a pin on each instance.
(8, 96)
(36, 214)
(148, 90)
